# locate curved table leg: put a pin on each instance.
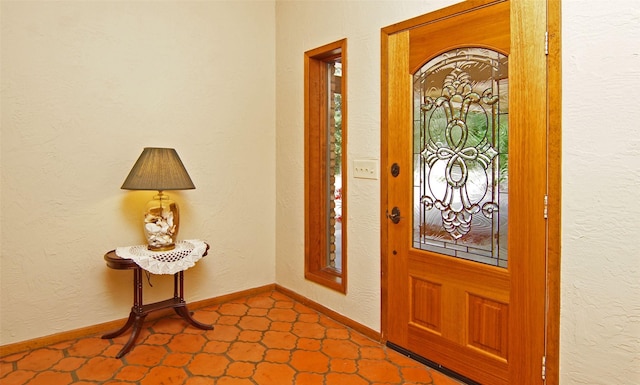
(127, 325)
(137, 327)
(183, 312)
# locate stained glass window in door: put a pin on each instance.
(460, 151)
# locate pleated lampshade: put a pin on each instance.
(158, 169)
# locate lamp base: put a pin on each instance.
(161, 248)
(161, 222)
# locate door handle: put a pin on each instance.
(395, 215)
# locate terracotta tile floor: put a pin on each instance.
(266, 339)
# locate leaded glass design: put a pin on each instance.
(461, 155)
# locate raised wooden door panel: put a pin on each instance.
(464, 281)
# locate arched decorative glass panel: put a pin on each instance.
(461, 146)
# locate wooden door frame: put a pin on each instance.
(554, 145)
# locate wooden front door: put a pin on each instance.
(464, 190)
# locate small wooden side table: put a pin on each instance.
(139, 311)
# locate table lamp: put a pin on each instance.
(159, 169)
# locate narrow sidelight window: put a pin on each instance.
(325, 156)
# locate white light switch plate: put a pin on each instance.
(365, 168)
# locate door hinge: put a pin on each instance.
(545, 211)
(544, 368)
(546, 43)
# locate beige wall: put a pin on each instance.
(85, 86)
(600, 323)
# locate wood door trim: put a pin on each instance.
(400, 40)
(554, 90)
(554, 175)
(528, 111)
(439, 15)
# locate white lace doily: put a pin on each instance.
(184, 256)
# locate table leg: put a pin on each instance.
(136, 317)
(127, 325)
(137, 327)
(183, 312)
(137, 288)
(178, 276)
(137, 305)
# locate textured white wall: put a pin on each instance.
(600, 316)
(87, 85)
